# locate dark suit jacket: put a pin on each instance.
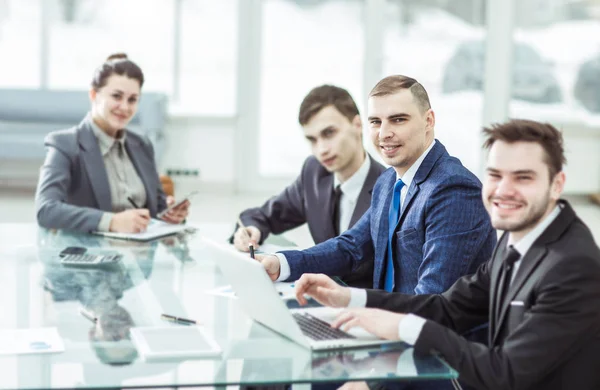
(547, 333)
(443, 233)
(309, 200)
(73, 190)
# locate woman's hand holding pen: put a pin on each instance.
(244, 236)
(177, 214)
(130, 221)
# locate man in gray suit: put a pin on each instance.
(334, 187)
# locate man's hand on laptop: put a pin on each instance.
(271, 264)
(381, 323)
(323, 289)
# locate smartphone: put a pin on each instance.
(177, 204)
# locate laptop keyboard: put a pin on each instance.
(318, 329)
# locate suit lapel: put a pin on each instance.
(427, 165)
(379, 217)
(412, 192)
(364, 198)
(495, 275)
(493, 286)
(532, 259)
(141, 163)
(94, 165)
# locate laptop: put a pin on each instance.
(309, 327)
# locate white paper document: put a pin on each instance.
(156, 229)
(27, 341)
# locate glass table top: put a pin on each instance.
(171, 276)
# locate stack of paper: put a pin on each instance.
(38, 340)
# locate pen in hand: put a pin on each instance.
(178, 320)
(88, 315)
(135, 206)
(130, 199)
(247, 233)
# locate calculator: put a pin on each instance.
(90, 260)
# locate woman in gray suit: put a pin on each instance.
(98, 176)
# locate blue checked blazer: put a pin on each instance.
(444, 231)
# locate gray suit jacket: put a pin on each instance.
(73, 190)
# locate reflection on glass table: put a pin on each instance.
(93, 310)
(391, 362)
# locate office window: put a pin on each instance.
(556, 61)
(208, 76)
(83, 33)
(20, 23)
(556, 79)
(442, 45)
(304, 44)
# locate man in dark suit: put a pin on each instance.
(334, 188)
(539, 291)
(426, 226)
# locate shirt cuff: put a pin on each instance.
(284, 268)
(104, 225)
(410, 328)
(358, 297)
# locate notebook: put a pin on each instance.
(156, 229)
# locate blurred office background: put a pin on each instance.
(233, 73)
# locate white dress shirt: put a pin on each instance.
(351, 189)
(411, 325)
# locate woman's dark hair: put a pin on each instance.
(119, 64)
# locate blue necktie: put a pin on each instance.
(392, 220)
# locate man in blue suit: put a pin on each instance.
(426, 226)
(439, 228)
